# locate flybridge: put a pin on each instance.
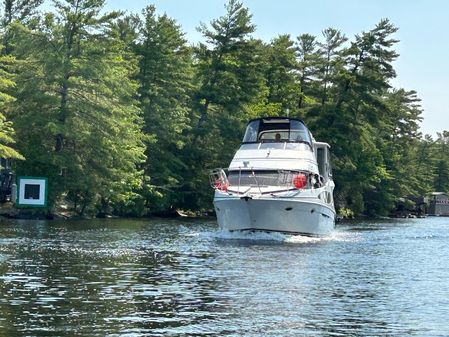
(276, 143)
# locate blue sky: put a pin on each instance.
(423, 64)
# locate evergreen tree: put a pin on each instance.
(308, 58)
(165, 79)
(21, 10)
(97, 94)
(397, 138)
(424, 160)
(6, 130)
(229, 72)
(441, 151)
(127, 30)
(331, 60)
(76, 115)
(351, 122)
(280, 75)
(441, 183)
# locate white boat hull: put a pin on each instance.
(293, 215)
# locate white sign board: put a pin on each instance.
(32, 191)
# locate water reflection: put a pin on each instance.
(141, 278)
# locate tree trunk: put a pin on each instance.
(64, 91)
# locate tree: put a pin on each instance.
(358, 109)
(331, 54)
(441, 151)
(119, 111)
(165, 78)
(398, 138)
(280, 74)
(6, 130)
(21, 10)
(441, 182)
(229, 71)
(76, 115)
(308, 58)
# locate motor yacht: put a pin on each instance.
(280, 180)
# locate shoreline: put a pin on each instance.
(9, 211)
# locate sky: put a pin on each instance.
(423, 64)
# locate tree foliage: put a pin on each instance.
(6, 129)
(123, 115)
(228, 77)
(165, 78)
(76, 114)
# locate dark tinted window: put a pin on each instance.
(298, 132)
(276, 131)
(251, 132)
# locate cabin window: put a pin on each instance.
(277, 131)
(274, 135)
(329, 166)
(251, 132)
(298, 132)
(321, 159)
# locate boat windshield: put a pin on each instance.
(276, 130)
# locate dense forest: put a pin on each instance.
(125, 116)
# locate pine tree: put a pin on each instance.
(350, 123)
(441, 151)
(397, 138)
(331, 58)
(165, 78)
(6, 129)
(227, 64)
(23, 11)
(76, 116)
(280, 73)
(230, 76)
(308, 58)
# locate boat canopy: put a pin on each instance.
(277, 129)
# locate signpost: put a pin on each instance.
(32, 191)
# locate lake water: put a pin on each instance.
(187, 278)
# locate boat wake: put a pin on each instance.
(277, 237)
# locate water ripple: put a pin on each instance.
(153, 278)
